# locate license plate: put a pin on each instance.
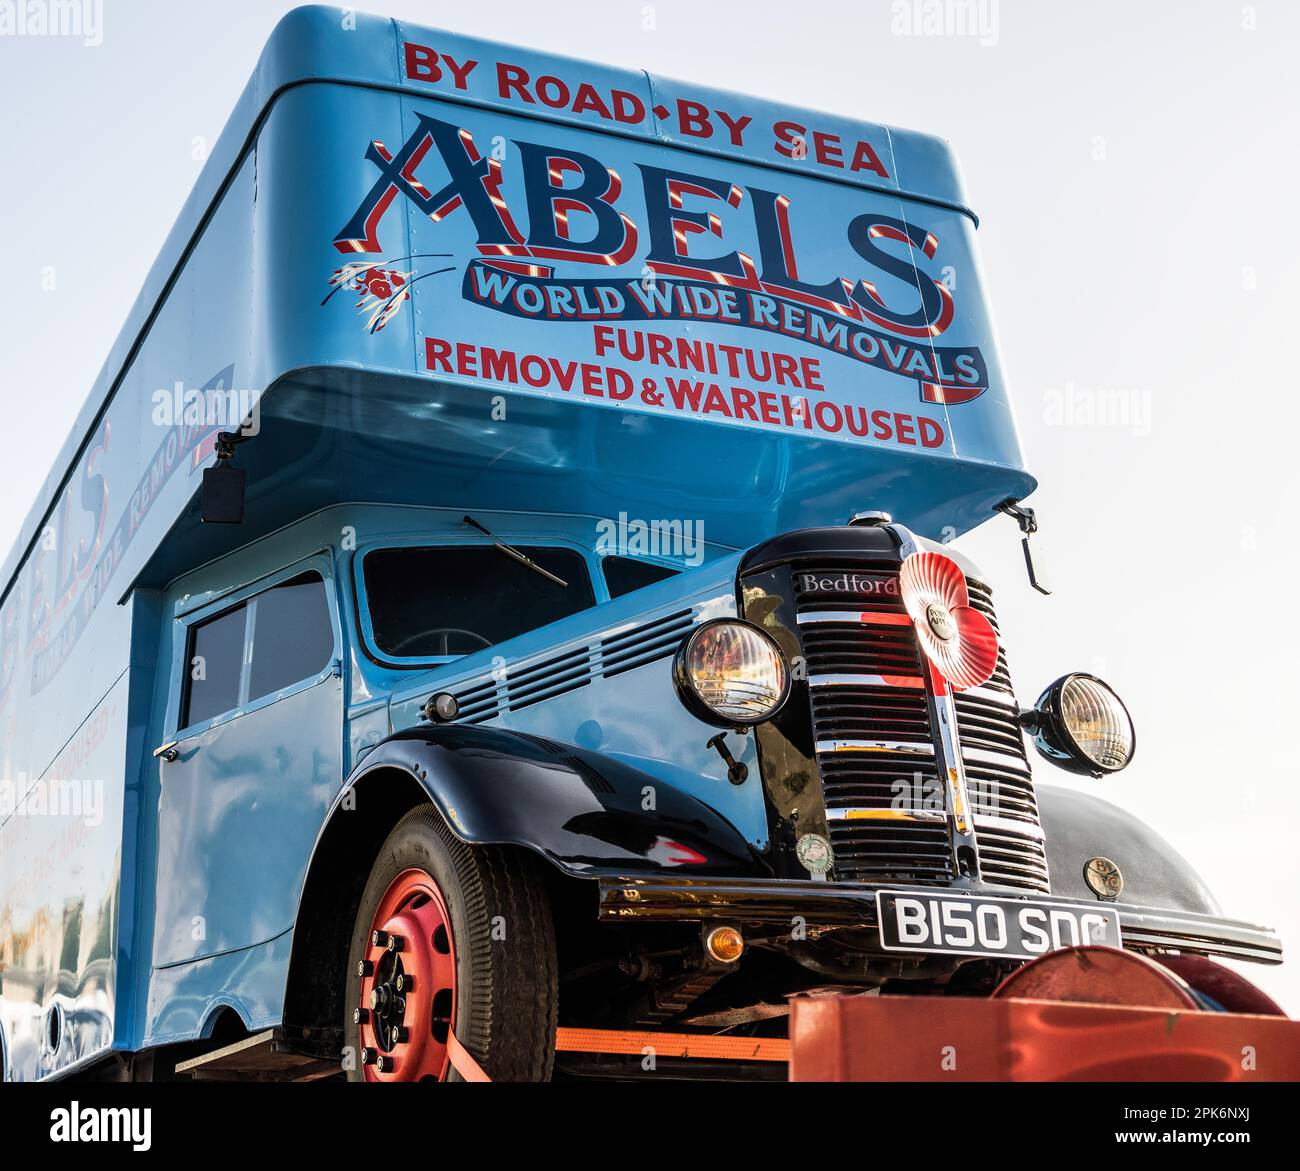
(973, 925)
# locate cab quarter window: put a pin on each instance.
(284, 635)
(623, 575)
(437, 602)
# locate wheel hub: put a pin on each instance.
(408, 984)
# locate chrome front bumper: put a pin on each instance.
(770, 901)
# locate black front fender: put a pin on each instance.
(1080, 826)
(586, 813)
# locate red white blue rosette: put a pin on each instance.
(956, 638)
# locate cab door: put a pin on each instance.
(256, 755)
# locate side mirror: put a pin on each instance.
(222, 497)
(221, 500)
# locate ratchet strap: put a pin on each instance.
(637, 1043)
(462, 1060)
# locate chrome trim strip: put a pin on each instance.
(910, 682)
(938, 816)
(1001, 698)
(1025, 829)
(1000, 759)
(889, 617)
(950, 760)
(902, 746)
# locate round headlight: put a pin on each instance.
(731, 674)
(1082, 725)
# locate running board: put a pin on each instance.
(265, 1057)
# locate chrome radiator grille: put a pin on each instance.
(874, 728)
(997, 774)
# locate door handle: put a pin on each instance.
(167, 752)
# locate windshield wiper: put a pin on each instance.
(511, 551)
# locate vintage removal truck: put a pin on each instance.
(495, 587)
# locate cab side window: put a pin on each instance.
(275, 639)
(213, 667)
(292, 636)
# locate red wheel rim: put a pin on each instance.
(408, 984)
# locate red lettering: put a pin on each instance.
(786, 370)
(735, 126)
(565, 374)
(421, 63)
(931, 432)
(512, 77)
(589, 99)
(865, 159)
(620, 385)
(460, 73)
(553, 92)
(627, 107)
(685, 394)
(592, 383)
(829, 411)
(693, 119)
(744, 403)
(790, 140)
(826, 147)
(436, 354)
(500, 366)
(535, 371)
(466, 359)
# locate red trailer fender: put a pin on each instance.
(1081, 1014)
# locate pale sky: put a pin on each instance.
(1134, 167)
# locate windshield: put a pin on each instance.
(453, 600)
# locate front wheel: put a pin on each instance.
(450, 940)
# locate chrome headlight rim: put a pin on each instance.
(694, 702)
(1054, 740)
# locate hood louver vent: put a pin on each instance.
(551, 677)
(643, 644)
(521, 686)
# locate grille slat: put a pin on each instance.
(993, 752)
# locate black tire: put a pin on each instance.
(506, 987)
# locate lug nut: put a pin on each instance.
(365, 968)
(399, 1035)
(405, 983)
(384, 1064)
(368, 1056)
(379, 938)
(395, 943)
(360, 1016)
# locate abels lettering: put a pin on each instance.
(553, 196)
